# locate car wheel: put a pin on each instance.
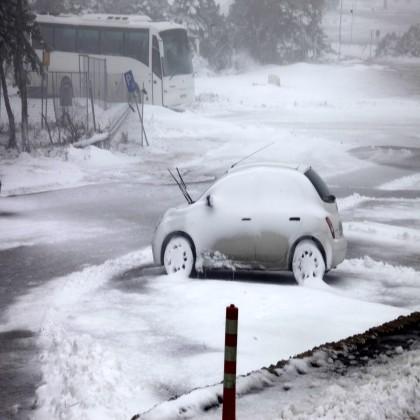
(308, 262)
(179, 257)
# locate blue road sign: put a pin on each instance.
(130, 82)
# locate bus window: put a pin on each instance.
(137, 45)
(47, 35)
(156, 62)
(65, 38)
(177, 52)
(88, 40)
(112, 42)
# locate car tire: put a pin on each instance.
(179, 256)
(308, 262)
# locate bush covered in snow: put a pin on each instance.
(406, 45)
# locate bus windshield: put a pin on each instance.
(176, 52)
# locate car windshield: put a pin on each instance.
(177, 54)
(320, 186)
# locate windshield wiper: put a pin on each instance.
(182, 186)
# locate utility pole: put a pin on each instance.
(385, 4)
(340, 29)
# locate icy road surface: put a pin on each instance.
(104, 337)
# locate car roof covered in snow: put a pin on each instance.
(270, 164)
(108, 21)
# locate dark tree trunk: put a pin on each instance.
(10, 116)
(24, 99)
(21, 78)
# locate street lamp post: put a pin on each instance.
(339, 29)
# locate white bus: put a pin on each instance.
(158, 53)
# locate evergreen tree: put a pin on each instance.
(18, 26)
(156, 9)
(274, 31)
(5, 60)
(206, 24)
(53, 7)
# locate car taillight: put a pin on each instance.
(330, 225)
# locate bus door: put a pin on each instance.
(157, 88)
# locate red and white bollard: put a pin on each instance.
(229, 381)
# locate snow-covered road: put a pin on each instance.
(114, 338)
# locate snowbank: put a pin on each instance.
(233, 116)
(108, 352)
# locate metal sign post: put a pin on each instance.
(134, 91)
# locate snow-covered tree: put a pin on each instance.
(206, 24)
(17, 27)
(156, 9)
(5, 60)
(278, 30)
(408, 44)
(308, 14)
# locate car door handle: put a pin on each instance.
(246, 219)
(294, 219)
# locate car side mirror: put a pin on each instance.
(209, 201)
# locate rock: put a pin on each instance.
(273, 79)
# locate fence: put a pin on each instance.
(74, 93)
(96, 83)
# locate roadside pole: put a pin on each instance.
(340, 29)
(92, 104)
(229, 380)
(136, 93)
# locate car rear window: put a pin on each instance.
(320, 186)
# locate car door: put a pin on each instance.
(157, 75)
(230, 218)
(277, 218)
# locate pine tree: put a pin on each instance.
(5, 60)
(255, 25)
(314, 37)
(18, 26)
(156, 9)
(53, 7)
(274, 31)
(206, 24)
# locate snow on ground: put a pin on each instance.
(108, 351)
(234, 115)
(386, 229)
(323, 92)
(383, 233)
(112, 347)
(115, 340)
(411, 182)
(26, 232)
(350, 201)
(391, 210)
(378, 281)
(26, 224)
(69, 167)
(384, 389)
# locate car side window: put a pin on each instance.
(237, 190)
(276, 189)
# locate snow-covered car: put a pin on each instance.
(264, 216)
